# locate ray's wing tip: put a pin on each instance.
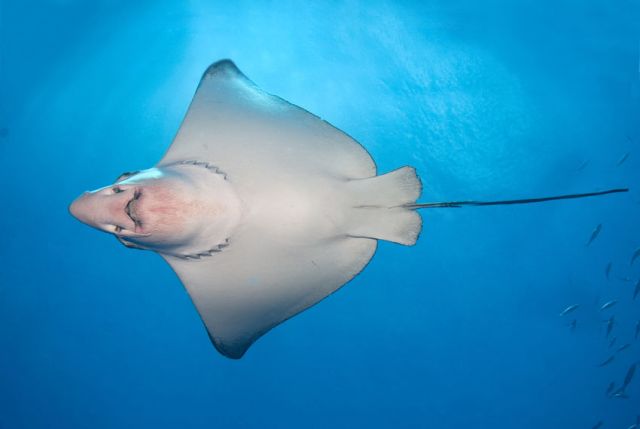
(230, 351)
(224, 66)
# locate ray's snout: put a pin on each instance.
(105, 209)
(80, 208)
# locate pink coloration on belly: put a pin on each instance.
(164, 209)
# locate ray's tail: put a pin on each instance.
(456, 204)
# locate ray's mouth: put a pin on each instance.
(130, 209)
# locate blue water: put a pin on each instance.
(487, 99)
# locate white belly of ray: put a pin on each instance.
(306, 208)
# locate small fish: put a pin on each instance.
(624, 279)
(598, 425)
(609, 304)
(613, 341)
(623, 347)
(635, 256)
(621, 395)
(607, 270)
(594, 234)
(635, 337)
(610, 324)
(607, 361)
(583, 165)
(573, 325)
(627, 378)
(636, 291)
(623, 159)
(569, 309)
(610, 388)
(633, 426)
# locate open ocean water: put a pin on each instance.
(487, 99)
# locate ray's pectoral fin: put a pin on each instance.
(231, 120)
(251, 286)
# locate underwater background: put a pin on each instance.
(487, 99)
